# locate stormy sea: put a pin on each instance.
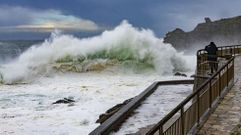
(96, 72)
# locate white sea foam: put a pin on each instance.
(27, 109)
(123, 43)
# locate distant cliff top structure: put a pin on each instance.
(222, 32)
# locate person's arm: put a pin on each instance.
(206, 48)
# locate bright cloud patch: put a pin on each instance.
(25, 18)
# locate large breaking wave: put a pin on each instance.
(124, 46)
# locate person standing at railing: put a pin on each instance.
(212, 56)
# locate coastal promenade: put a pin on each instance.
(228, 113)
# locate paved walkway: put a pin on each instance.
(228, 113)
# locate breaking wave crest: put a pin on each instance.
(124, 46)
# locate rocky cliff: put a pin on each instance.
(222, 32)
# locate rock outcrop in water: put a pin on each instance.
(222, 32)
(180, 74)
(112, 111)
(64, 101)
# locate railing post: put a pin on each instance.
(221, 51)
(227, 75)
(219, 83)
(233, 47)
(234, 50)
(198, 109)
(210, 94)
(182, 121)
(232, 71)
(161, 130)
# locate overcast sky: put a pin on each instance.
(35, 19)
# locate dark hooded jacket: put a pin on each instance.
(212, 51)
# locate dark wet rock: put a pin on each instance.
(222, 32)
(64, 101)
(192, 76)
(180, 74)
(112, 111)
(6, 116)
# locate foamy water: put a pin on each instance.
(97, 72)
(28, 109)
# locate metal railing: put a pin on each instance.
(223, 52)
(203, 67)
(195, 109)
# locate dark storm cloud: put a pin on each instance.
(159, 15)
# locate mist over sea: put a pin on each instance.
(10, 49)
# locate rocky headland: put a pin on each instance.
(223, 32)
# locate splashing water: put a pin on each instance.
(124, 46)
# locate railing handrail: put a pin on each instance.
(219, 48)
(185, 101)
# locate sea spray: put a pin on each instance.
(124, 46)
